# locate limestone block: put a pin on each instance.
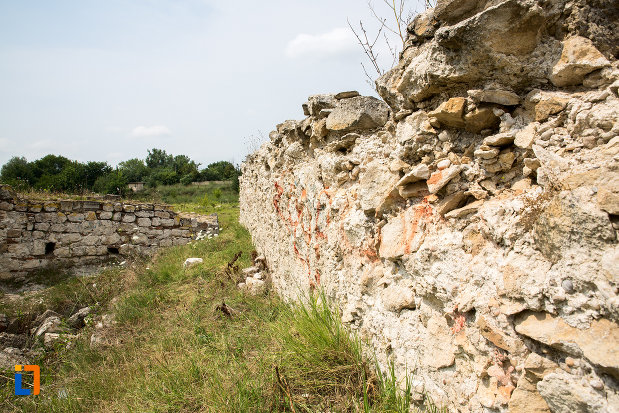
(440, 178)
(76, 217)
(579, 58)
(452, 11)
(450, 113)
(62, 252)
(418, 173)
(253, 286)
(140, 239)
(451, 202)
(128, 218)
(404, 233)
(66, 206)
(42, 226)
(13, 233)
(414, 127)
(545, 104)
(506, 159)
(598, 343)
(554, 228)
(439, 347)
(608, 197)
(191, 262)
(360, 112)
(51, 324)
(501, 97)
(347, 95)
(317, 103)
(144, 222)
(501, 139)
(465, 210)
(398, 297)
(375, 185)
(413, 190)
(526, 137)
(51, 206)
(493, 333)
(486, 152)
(6, 206)
(480, 119)
(565, 393)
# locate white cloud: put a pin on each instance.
(150, 131)
(335, 42)
(43, 145)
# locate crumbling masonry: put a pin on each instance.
(467, 229)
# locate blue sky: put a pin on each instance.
(106, 80)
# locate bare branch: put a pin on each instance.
(392, 51)
(381, 20)
(396, 25)
(368, 48)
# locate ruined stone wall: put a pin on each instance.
(467, 228)
(38, 234)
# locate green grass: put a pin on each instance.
(216, 193)
(170, 349)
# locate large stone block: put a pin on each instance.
(598, 343)
(579, 58)
(358, 113)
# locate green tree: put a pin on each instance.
(46, 171)
(134, 170)
(163, 176)
(17, 172)
(158, 158)
(185, 166)
(94, 170)
(218, 171)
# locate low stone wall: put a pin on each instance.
(38, 234)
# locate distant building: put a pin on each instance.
(136, 186)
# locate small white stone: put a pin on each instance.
(190, 262)
(444, 164)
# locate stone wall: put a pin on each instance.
(467, 228)
(38, 234)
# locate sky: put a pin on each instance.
(106, 80)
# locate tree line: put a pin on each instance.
(57, 173)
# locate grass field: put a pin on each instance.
(170, 347)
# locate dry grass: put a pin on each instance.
(171, 349)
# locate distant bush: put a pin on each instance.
(112, 183)
(187, 180)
